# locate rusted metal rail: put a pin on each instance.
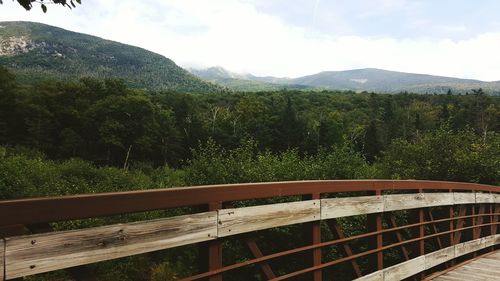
(430, 224)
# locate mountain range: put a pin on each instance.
(244, 82)
(36, 51)
(366, 79)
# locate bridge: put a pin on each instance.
(341, 230)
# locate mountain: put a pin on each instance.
(217, 73)
(37, 51)
(244, 82)
(367, 79)
(379, 80)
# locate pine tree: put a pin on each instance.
(372, 144)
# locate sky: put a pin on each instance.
(291, 38)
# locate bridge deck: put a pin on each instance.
(486, 267)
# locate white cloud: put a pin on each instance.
(235, 35)
(452, 28)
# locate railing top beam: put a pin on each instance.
(50, 209)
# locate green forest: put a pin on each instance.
(60, 137)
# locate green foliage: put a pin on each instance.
(93, 135)
(212, 164)
(445, 155)
(108, 123)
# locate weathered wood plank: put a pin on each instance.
(27, 255)
(489, 240)
(242, 220)
(375, 276)
(439, 257)
(418, 200)
(405, 269)
(486, 268)
(403, 201)
(438, 199)
(448, 278)
(496, 239)
(422, 263)
(495, 256)
(464, 198)
(482, 197)
(468, 276)
(2, 259)
(351, 206)
(472, 274)
(468, 247)
(488, 262)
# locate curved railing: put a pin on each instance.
(413, 228)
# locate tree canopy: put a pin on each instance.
(28, 4)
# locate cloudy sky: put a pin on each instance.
(297, 37)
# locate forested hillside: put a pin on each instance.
(81, 115)
(359, 80)
(89, 135)
(37, 51)
(107, 123)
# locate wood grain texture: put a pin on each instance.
(242, 220)
(448, 278)
(489, 241)
(417, 200)
(469, 247)
(464, 198)
(485, 268)
(482, 197)
(2, 259)
(27, 255)
(422, 263)
(351, 206)
(497, 239)
(403, 201)
(405, 269)
(438, 257)
(375, 276)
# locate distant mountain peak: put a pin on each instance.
(37, 51)
(363, 79)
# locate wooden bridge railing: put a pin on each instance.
(443, 221)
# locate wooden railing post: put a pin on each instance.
(2, 259)
(480, 220)
(312, 231)
(495, 218)
(380, 241)
(473, 223)
(460, 224)
(421, 233)
(375, 224)
(491, 216)
(451, 214)
(210, 253)
(215, 248)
